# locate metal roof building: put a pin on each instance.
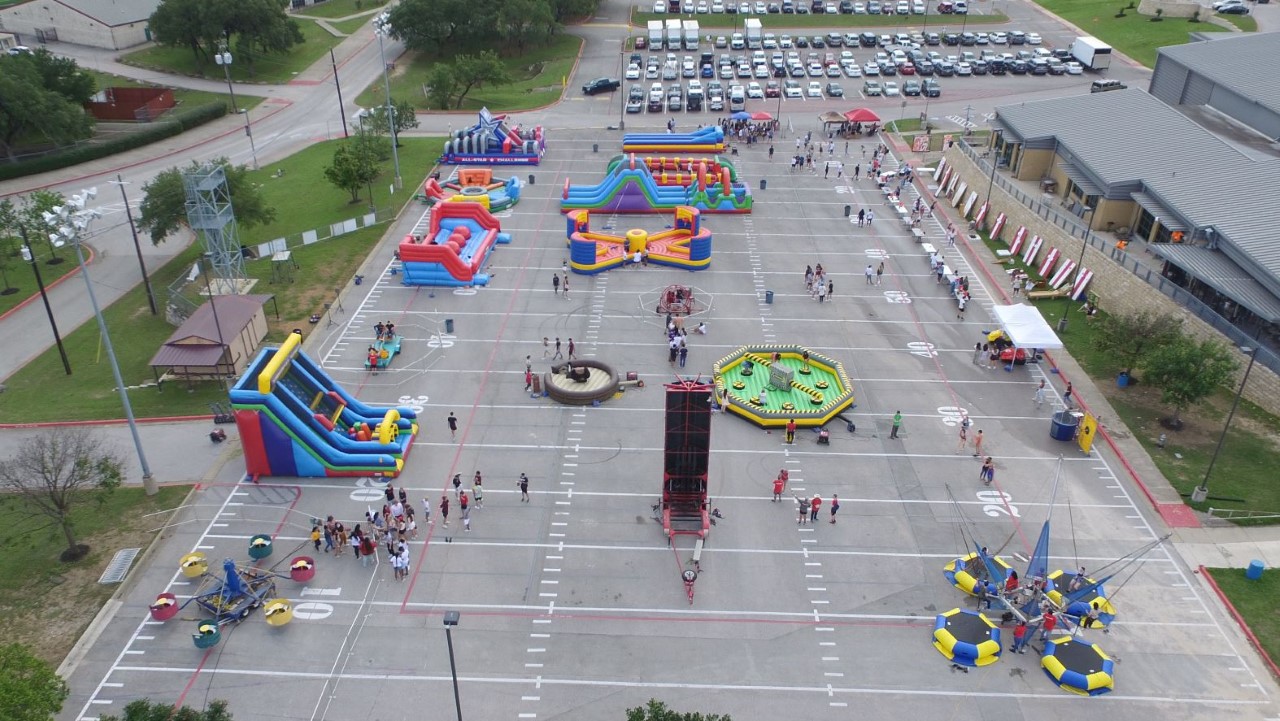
(1151, 167)
(111, 24)
(1237, 74)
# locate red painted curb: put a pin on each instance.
(1248, 632)
(1173, 515)
(107, 422)
(48, 287)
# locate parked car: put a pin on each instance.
(601, 85)
(1234, 10)
(911, 87)
(872, 89)
(931, 88)
(834, 90)
(791, 89)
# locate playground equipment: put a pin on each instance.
(687, 245)
(454, 249)
(770, 385)
(491, 141)
(632, 187)
(386, 350)
(230, 597)
(474, 185)
(295, 421)
(709, 139)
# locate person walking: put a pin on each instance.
(573, 354)
(565, 285)
(1066, 397)
(444, 510)
(558, 355)
(815, 505)
(791, 430)
(779, 485)
(880, 272)
(964, 436)
(871, 215)
(477, 490)
(978, 354)
(546, 346)
(1039, 397)
(464, 509)
(862, 216)
(897, 424)
(453, 425)
(1019, 638)
(457, 484)
(831, 289)
(555, 283)
(683, 353)
(977, 444)
(988, 472)
(835, 507)
(523, 484)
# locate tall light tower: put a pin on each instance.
(223, 58)
(381, 28)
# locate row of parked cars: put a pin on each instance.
(803, 7)
(775, 41)
(713, 96)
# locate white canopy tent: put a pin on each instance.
(1026, 327)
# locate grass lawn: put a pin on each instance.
(936, 23)
(1134, 35)
(278, 68)
(20, 275)
(349, 27)
(538, 76)
(136, 334)
(47, 604)
(339, 8)
(1242, 475)
(1256, 602)
(185, 98)
(1244, 22)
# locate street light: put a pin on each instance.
(1084, 243)
(451, 620)
(1201, 492)
(381, 27)
(151, 297)
(69, 223)
(30, 256)
(223, 58)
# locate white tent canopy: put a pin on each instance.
(1026, 327)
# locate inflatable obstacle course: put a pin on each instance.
(686, 245)
(631, 186)
(709, 139)
(492, 141)
(455, 247)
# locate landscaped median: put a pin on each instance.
(136, 334)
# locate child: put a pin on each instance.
(315, 537)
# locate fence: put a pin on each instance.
(1070, 224)
(185, 295)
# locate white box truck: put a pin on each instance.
(675, 35)
(655, 35)
(691, 34)
(1091, 52)
(754, 33)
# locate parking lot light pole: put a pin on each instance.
(223, 57)
(1201, 492)
(382, 27)
(451, 620)
(137, 247)
(997, 139)
(1084, 243)
(28, 254)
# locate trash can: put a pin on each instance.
(763, 183)
(768, 297)
(448, 325)
(531, 179)
(595, 147)
(848, 210)
(1254, 571)
(1063, 425)
(1122, 380)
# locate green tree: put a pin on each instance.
(148, 710)
(53, 471)
(406, 117)
(1186, 371)
(442, 85)
(474, 71)
(63, 76)
(32, 113)
(429, 25)
(1128, 338)
(10, 239)
(658, 711)
(354, 167)
(30, 690)
(573, 9)
(262, 27)
(257, 27)
(521, 23)
(164, 208)
(194, 24)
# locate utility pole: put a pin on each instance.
(338, 83)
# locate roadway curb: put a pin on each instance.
(48, 287)
(1248, 632)
(1173, 515)
(103, 422)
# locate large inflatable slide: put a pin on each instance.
(632, 187)
(709, 139)
(295, 421)
(455, 248)
(491, 141)
(686, 245)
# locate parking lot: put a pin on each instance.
(572, 605)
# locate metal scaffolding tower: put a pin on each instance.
(209, 212)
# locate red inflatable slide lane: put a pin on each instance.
(448, 251)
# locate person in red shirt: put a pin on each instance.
(791, 430)
(778, 486)
(815, 505)
(1050, 623)
(1019, 638)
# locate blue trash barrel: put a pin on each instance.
(768, 297)
(1254, 571)
(1062, 427)
(448, 325)
(1122, 380)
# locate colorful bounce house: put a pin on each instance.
(295, 421)
(687, 245)
(492, 142)
(457, 245)
(631, 186)
(473, 185)
(709, 139)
